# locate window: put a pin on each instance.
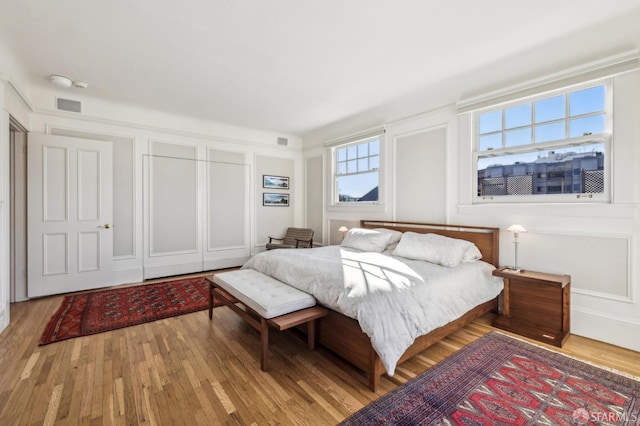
(552, 144)
(356, 171)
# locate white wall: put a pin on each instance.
(4, 213)
(11, 104)
(597, 244)
(131, 129)
(594, 243)
(128, 266)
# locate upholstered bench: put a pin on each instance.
(263, 301)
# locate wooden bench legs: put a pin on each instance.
(264, 343)
(281, 323)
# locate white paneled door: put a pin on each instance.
(70, 213)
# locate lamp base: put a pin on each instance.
(513, 270)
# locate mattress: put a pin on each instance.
(394, 299)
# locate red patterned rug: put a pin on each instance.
(498, 380)
(99, 311)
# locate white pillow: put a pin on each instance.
(432, 248)
(395, 235)
(390, 248)
(366, 239)
(472, 253)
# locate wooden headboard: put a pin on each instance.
(486, 239)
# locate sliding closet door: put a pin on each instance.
(172, 204)
(226, 215)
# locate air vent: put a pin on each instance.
(283, 141)
(69, 105)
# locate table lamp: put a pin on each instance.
(516, 229)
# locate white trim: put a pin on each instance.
(606, 67)
(166, 130)
(601, 295)
(586, 209)
(620, 331)
(355, 137)
(18, 92)
(5, 205)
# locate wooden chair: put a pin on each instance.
(294, 238)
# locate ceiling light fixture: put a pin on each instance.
(61, 81)
(66, 82)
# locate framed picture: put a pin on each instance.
(279, 200)
(275, 182)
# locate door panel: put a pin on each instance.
(55, 185)
(88, 251)
(88, 185)
(69, 190)
(56, 253)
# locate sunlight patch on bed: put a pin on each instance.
(366, 273)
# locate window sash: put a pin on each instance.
(504, 132)
(555, 197)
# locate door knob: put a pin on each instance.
(106, 226)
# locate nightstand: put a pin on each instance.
(535, 305)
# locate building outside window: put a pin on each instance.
(357, 171)
(550, 147)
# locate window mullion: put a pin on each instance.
(504, 132)
(533, 123)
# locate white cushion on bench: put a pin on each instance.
(267, 296)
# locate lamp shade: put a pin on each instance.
(516, 228)
(343, 229)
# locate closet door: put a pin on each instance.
(172, 210)
(226, 213)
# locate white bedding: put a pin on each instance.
(394, 299)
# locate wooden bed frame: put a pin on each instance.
(344, 336)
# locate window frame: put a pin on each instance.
(606, 137)
(335, 201)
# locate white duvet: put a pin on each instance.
(394, 299)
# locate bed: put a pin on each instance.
(358, 283)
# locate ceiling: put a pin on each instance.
(284, 65)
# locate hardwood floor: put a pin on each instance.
(188, 370)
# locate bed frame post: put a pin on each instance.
(375, 370)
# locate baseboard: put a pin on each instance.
(3, 320)
(126, 276)
(210, 265)
(615, 331)
(169, 270)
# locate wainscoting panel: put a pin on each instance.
(599, 265)
(420, 184)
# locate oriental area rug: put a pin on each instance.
(499, 380)
(99, 311)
